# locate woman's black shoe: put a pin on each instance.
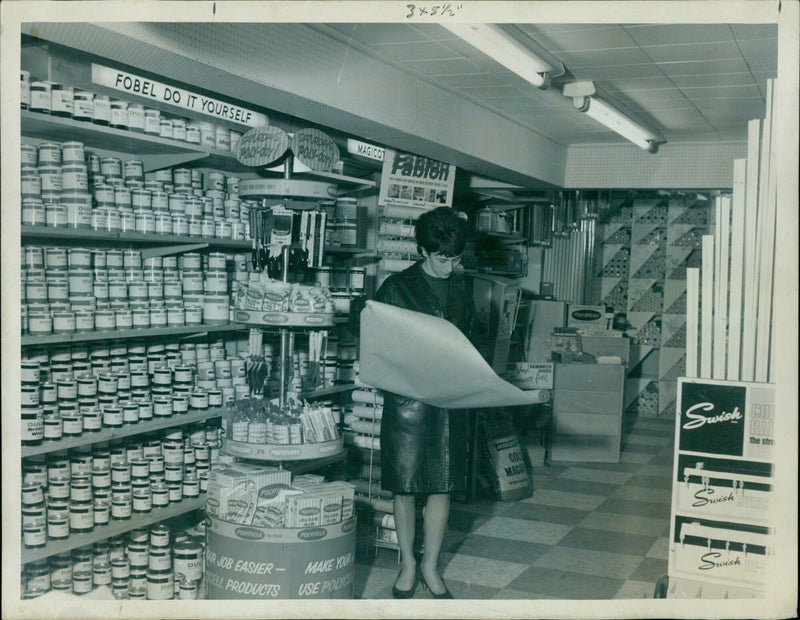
(398, 593)
(445, 594)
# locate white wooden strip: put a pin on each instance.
(767, 254)
(692, 319)
(718, 242)
(707, 307)
(721, 286)
(737, 272)
(748, 354)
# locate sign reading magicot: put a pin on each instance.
(163, 93)
(415, 181)
(262, 146)
(315, 149)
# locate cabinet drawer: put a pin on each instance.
(588, 402)
(589, 377)
(587, 424)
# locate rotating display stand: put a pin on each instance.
(248, 562)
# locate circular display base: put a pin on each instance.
(282, 452)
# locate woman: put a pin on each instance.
(423, 449)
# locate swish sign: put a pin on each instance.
(711, 418)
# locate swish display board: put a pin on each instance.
(722, 488)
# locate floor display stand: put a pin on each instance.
(722, 542)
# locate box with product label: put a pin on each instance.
(303, 510)
(529, 375)
(234, 490)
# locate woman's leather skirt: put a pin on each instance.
(423, 448)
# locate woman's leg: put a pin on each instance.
(405, 521)
(437, 511)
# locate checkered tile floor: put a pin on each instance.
(590, 531)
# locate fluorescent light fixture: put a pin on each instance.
(508, 51)
(615, 120)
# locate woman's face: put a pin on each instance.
(439, 266)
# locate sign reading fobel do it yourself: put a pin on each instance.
(415, 181)
(173, 95)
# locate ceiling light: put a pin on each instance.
(498, 44)
(615, 120)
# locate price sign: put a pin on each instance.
(315, 149)
(262, 146)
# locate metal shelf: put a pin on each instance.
(259, 318)
(114, 528)
(125, 334)
(336, 389)
(337, 249)
(155, 152)
(283, 452)
(52, 236)
(108, 434)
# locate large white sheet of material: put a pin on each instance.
(427, 358)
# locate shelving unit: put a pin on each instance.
(109, 434)
(126, 334)
(48, 235)
(114, 528)
(155, 152)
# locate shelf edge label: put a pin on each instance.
(364, 149)
(163, 93)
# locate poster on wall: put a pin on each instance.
(415, 181)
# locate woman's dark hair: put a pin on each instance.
(441, 231)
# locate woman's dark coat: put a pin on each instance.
(423, 448)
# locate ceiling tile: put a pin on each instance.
(684, 118)
(547, 28)
(722, 92)
(763, 65)
(703, 67)
(654, 99)
(599, 58)
(490, 92)
(673, 34)
(617, 72)
(467, 80)
(743, 32)
(734, 132)
(646, 83)
(480, 61)
(721, 79)
(759, 47)
(379, 34)
(416, 51)
(727, 109)
(520, 105)
(578, 40)
(447, 66)
(692, 51)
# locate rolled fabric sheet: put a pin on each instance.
(367, 412)
(365, 427)
(541, 396)
(370, 473)
(385, 520)
(385, 505)
(367, 397)
(363, 441)
(365, 487)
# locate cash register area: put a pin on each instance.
(588, 531)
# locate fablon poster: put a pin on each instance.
(414, 181)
